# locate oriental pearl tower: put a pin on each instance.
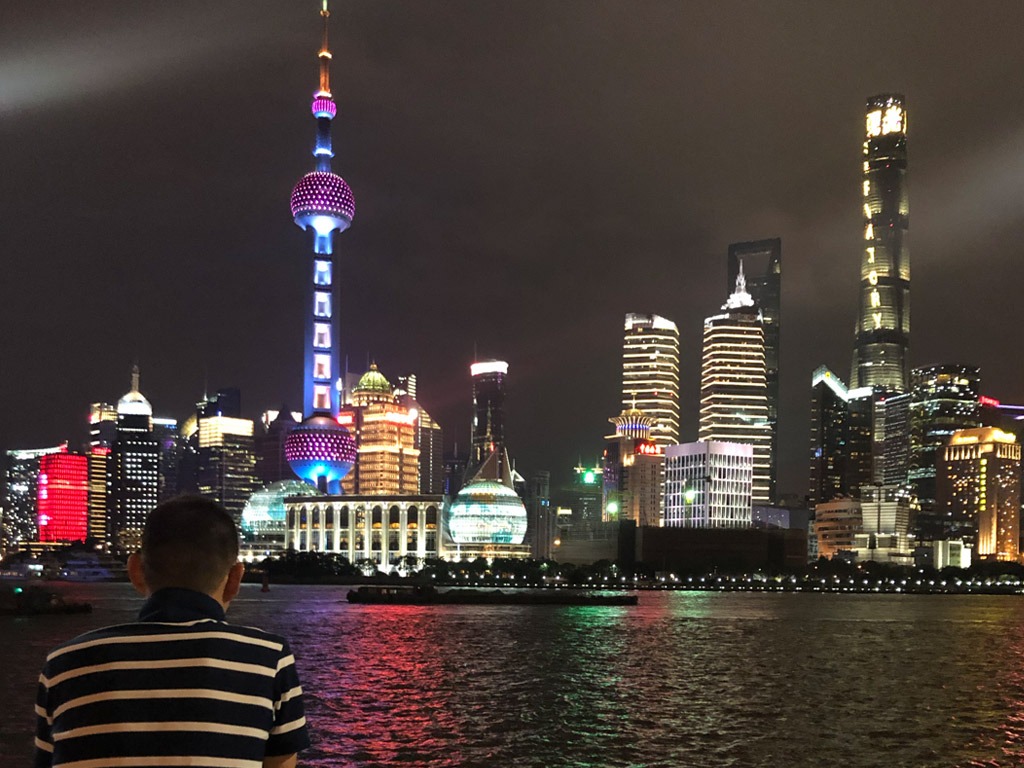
(319, 450)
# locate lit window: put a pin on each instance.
(322, 398)
(322, 335)
(893, 120)
(874, 123)
(321, 366)
(322, 272)
(322, 304)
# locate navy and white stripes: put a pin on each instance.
(164, 693)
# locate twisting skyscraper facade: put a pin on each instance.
(881, 350)
(319, 450)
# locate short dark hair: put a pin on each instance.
(189, 542)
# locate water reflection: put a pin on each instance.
(710, 679)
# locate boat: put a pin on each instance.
(428, 595)
(90, 569)
(33, 600)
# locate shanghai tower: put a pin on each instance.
(881, 350)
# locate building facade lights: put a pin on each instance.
(881, 348)
(650, 373)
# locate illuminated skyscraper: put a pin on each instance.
(881, 350)
(20, 517)
(384, 429)
(429, 438)
(841, 445)
(226, 461)
(733, 385)
(319, 450)
(135, 462)
(708, 485)
(979, 490)
(650, 373)
(943, 400)
(761, 261)
(488, 413)
(632, 471)
(62, 490)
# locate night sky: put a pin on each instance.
(524, 172)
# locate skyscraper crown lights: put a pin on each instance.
(740, 297)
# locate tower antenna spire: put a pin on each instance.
(325, 57)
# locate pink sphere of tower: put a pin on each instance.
(324, 201)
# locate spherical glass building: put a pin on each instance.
(265, 508)
(487, 512)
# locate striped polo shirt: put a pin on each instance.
(179, 687)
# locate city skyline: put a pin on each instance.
(478, 190)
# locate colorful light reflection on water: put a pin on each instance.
(710, 679)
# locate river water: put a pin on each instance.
(683, 679)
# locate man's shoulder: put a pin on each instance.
(147, 631)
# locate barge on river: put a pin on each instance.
(420, 595)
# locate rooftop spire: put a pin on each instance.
(135, 377)
(740, 297)
(325, 57)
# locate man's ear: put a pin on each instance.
(234, 583)
(136, 574)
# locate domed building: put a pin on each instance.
(385, 432)
(134, 403)
(487, 518)
(132, 471)
(264, 516)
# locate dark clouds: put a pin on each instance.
(525, 173)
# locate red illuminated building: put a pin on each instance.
(63, 497)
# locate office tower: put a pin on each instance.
(102, 436)
(582, 496)
(841, 438)
(430, 444)
(165, 430)
(860, 440)
(650, 373)
(273, 429)
(488, 434)
(881, 349)
(135, 462)
(885, 525)
(225, 460)
(980, 493)
(632, 471)
(384, 430)
(541, 529)
(895, 459)
(733, 386)
(62, 493)
(429, 437)
(709, 484)
(319, 450)
(830, 414)
(455, 466)
(21, 519)
(944, 400)
(761, 261)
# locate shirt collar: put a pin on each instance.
(174, 604)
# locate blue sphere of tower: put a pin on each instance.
(324, 201)
(320, 450)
